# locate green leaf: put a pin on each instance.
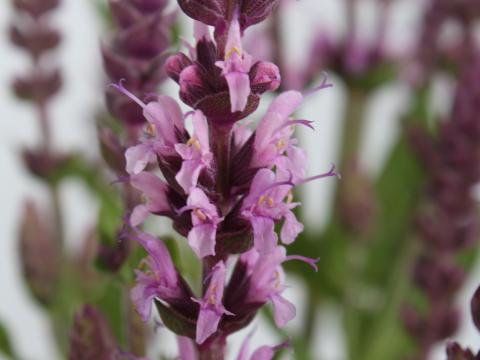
(6, 347)
(389, 256)
(113, 304)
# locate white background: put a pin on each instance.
(73, 114)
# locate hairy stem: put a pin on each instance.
(213, 350)
(220, 140)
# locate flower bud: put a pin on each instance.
(43, 164)
(112, 257)
(37, 39)
(124, 13)
(112, 150)
(39, 86)
(91, 337)
(438, 278)
(39, 254)
(216, 13)
(192, 86)
(145, 39)
(119, 67)
(264, 76)
(35, 8)
(175, 64)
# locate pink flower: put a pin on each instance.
(273, 143)
(211, 307)
(195, 153)
(267, 202)
(165, 119)
(161, 281)
(267, 281)
(205, 219)
(155, 191)
(236, 68)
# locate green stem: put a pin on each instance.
(352, 127)
(388, 322)
(310, 317)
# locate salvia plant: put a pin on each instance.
(228, 174)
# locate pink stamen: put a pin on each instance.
(274, 185)
(124, 91)
(332, 172)
(309, 261)
(324, 85)
(306, 123)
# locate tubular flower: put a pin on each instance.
(266, 281)
(165, 122)
(155, 191)
(195, 153)
(160, 281)
(235, 68)
(264, 205)
(211, 307)
(273, 143)
(205, 220)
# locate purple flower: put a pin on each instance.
(211, 307)
(160, 281)
(165, 120)
(236, 67)
(267, 281)
(221, 94)
(273, 143)
(264, 205)
(195, 153)
(205, 219)
(155, 191)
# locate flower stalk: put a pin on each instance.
(225, 186)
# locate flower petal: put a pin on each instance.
(202, 239)
(188, 175)
(239, 89)
(138, 157)
(291, 228)
(265, 238)
(139, 214)
(283, 310)
(207, 324)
